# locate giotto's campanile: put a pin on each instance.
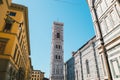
(57, 56)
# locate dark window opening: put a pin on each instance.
(56, 46)
(59, 46)
(7, 27)
(87, 67)
(12, 13)
(59, 57)
(58, 35)
(2, 46)
(56, 56)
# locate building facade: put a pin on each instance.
(15, 63)
(57, 52)
(37, 75)
(69, 69)
(86, 62)
(106, 19)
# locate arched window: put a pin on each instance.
(56, 46)
(59, 57)
(59, 46)
(56, 57)
(87, 67)
(58, 35)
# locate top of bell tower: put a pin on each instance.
(58, 23)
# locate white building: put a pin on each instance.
(86, 62)
(57, 61)
(106, 19)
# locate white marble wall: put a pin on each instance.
(108, 14)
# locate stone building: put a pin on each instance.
(37, 75)
(69, 73)
(57, 61)
(15, 63)
(106, 20)
(86, 62)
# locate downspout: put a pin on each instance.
(102, 43)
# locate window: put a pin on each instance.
(12, 13)
(103, 65)
(58, 35)
(99, 11)
(103, 5)
(115, 68)
(56, 46)
(108, 22)
(115, 17)
(59, 57)
(59, 46)
(7, 27)
(56, 56)
(87, 67)
(103, 27)
(8, 24)
(3, 43)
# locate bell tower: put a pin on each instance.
(57, 60)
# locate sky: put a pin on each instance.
(78, 28)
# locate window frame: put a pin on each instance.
(113, 69)
(12, 13)
(3, 40)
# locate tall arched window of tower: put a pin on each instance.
(58, 35)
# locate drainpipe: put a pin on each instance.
(102, 43)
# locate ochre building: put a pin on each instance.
(37, 75)
(15, 63)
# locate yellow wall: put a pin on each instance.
(13, 35)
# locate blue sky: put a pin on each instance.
(78, 27)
